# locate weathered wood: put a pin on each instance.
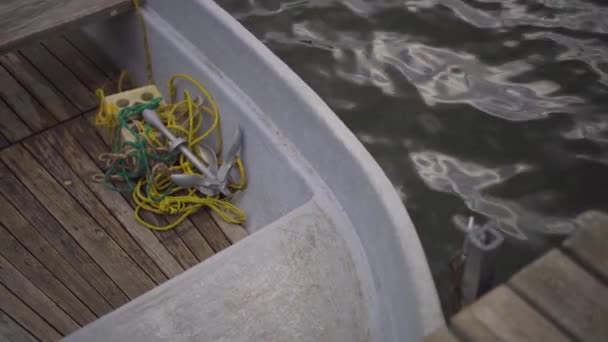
(194, 239)
(176, 246)
(38, 86)
(466, 325)
(570, 296)
(22, 20)
(589, 244)
(33, 270)
(11, 125)
(3, 141)
(82, 164)
(82, 67)
(110, 257)
(510, 318)
(441, 335)
(60, 76)
(21, 287)
(12, 331)
(86, 134)
(23, 231)
(210, 230)
(52, 161)
(97, 56)
(30, 111)
(65, 244)
(22, 314)
(233, 232)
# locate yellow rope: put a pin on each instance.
(185, 119)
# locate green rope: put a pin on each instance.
(139, 152)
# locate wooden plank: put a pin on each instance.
(33, 270)
(46, 225)
(36, 244)
(110, 257)
(12, 331)
(566, 293)
(176, 246)
(510, 318)
(466, 325)
(3, 141)
(30, 111)
(210, 230)
(82, 164)
(86, 135)
(61, 77)
(21, 287)
(27, 318)
(23, 20)
(38, 86)
(11, 125)
(52, 161)
(93, 53)
(82, 67)
(588, 244)
(195, 240)
(233, 232)
(441, 335)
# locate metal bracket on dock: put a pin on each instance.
(481, 246)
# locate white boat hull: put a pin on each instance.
(333, 255)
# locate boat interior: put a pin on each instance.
(72, 253)
(71, 250)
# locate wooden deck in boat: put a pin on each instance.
(22, 20)
(563, 296)
(71, 251)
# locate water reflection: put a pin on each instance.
(487, 108)
(469, 180)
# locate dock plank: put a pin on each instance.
(441, 335)
(588, 244)
(29, 110)
(32, 269)
(36, 244)
(465, 324)
(510, 318)
(12, 331)
(11, 125)
(59, 106)
(52, 161)
(110, 257)
(82, 164)
(81, 66)
(23, 20)
(21, 287)
(94, 145)
(26, 317)
(60, 77)
(3, 141)
(570, 296)
(34, 212)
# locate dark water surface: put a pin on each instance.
(485, 108)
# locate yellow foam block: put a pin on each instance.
(114, 103)
(133, 97)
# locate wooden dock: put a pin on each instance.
(71, 251)
(562, 296)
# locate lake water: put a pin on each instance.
(492, 109)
